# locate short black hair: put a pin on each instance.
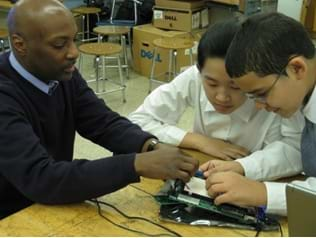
(265, 43)
(216, 40)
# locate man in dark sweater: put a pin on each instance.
(44, 101)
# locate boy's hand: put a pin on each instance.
(223, 150)
(233, 188)
(214, 147)
(214, 166)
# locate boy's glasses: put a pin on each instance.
(262, 98)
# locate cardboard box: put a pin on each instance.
(230, 2)
(143, 37)
(184, 4)
(179, 19)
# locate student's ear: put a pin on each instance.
(297, 67)
(19, 44)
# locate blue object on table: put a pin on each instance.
(199, 174)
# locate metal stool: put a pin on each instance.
(4, 35)
(100, 50)
(85, 12)
(120, 31)
(121, 22)
(173, 45)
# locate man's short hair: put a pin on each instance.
(265, 43)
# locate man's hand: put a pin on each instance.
(214, 166)
(166, 163)
(230, 187)
(214, 147)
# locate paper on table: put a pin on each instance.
(196, 186)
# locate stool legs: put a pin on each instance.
(100, 61)
(124, 53)
(172, 67)
(174, 55)
(97, 61)
(83, 16)
(87, 30)
(170, 64)
(122, 82)
(130, 42)
(123, 40)
(152, 73)
(2, 46)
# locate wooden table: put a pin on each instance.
(83, 219)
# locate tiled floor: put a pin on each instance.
(136, 91)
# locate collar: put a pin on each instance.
(309, 110)
(244, 112)
(46, 88)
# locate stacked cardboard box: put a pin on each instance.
(308, 17)
(171, 19)
(184, 15)
(143, 37)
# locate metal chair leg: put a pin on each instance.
(103, 74)
(123, 42)
(83, 16)
(152, 73)
(2, 45)
(170, 70)
(97, 59)
(175, 53)
(122, 82)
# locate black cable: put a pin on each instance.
(259, 227)
(281, 231)
(131, 217)
(142, 190)
(115, 224)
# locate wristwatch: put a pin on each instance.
(152, 144)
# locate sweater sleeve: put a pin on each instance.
(98, 123)
(26, 164)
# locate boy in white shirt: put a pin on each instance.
(227, 125)
(272, 59)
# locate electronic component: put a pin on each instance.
(177, 192)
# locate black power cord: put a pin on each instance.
(260, 215)
(171, 232)
(142, 190)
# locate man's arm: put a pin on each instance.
(27, 165)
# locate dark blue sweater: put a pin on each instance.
(37, 134)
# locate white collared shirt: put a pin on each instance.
(275, 142)
(276, 191)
